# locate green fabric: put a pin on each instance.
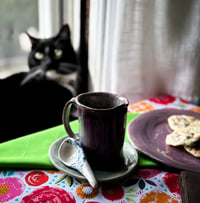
(31, 151)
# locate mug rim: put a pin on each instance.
(125, 103)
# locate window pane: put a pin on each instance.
(16, 17)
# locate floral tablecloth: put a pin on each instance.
(53, 186)
(161, 102)
(145, 185)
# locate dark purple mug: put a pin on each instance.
(102, 121)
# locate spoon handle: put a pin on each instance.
(87, 172)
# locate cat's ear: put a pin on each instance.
(32, 39)
(64, 32)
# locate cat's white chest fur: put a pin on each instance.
(63, 79)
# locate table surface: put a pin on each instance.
(26, 178)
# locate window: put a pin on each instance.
(42, 18)
(16, 16)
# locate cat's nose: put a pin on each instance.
(46, 64)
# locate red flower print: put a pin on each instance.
(10, 188)
(36, 178)
(171, 180)
(113, 193)
(92, 202)
(85, 191)
(184, 101)
(49, 194)
(164, 99)
(147, 173)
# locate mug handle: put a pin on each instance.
(66, 116)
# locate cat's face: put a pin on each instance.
(53, 59)
(49, 53)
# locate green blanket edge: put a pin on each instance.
(31, 151)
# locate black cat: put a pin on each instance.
(32, 101)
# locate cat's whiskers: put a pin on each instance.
(33, 72)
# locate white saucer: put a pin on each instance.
(130, 156)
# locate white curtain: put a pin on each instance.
(143, 48)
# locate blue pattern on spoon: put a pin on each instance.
(72, 155)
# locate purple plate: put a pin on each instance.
(147, 133)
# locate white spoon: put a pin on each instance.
(72, 155)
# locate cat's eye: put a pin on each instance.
(58, 53)
(39, 55)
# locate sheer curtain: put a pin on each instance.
(144, 48)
